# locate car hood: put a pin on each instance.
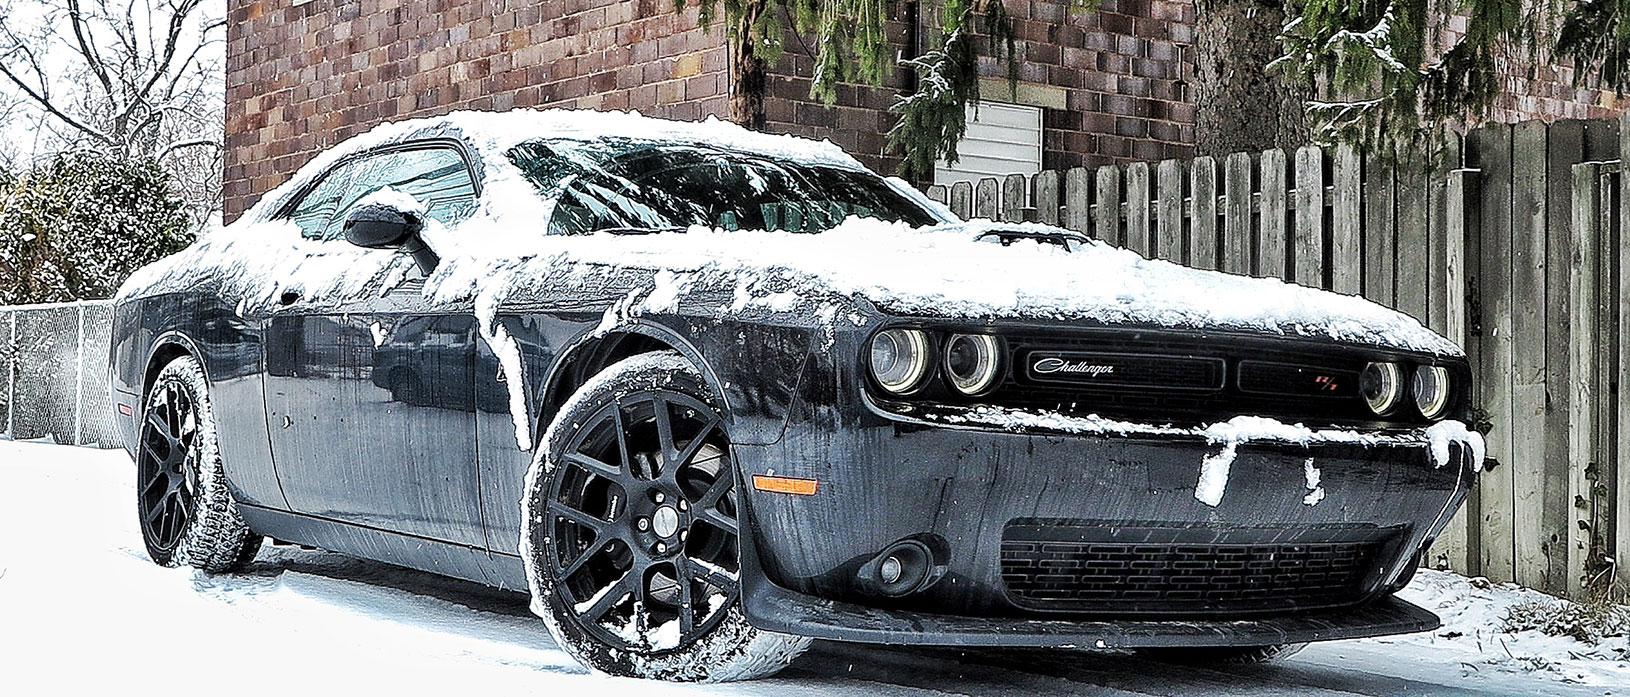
(973, 271)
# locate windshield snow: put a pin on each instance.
(623, 185)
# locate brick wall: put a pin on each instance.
(1111, 81)
(301, 77)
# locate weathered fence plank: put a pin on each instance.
(1203, 213)
(1455, 547)
(1078, 200)
(1537, 528)
(1169, 211)
(8, 321)
(1607, 353)
(1346, 240)
(1564, 146)
(962, 200)
(1107, 222)
(1440, 301)
(986, 199)
(1014, 203)
(1307, 253)
(1272, 234)
(1379, 239)
(1236, 230)
(1491, 153)
(1138, 238)
(1617, 477)
(1409, 228)
(1582, 320)
(1046, 194)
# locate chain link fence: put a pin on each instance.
(54, 373)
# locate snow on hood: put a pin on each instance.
(945, 271)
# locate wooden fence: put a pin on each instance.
(1505, 240)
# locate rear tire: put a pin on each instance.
(183, 506)
(631, 522)
(1223, 655)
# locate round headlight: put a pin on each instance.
(899, 359)
(1431, 388)
(1382, 385)
(972, 362)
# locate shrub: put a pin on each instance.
(74, 227)
(1587, 622)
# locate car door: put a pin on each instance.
(371, 399)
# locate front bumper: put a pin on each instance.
(777, 609)
(970, 489)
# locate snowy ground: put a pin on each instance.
(82, 610)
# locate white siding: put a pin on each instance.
(1002, 139)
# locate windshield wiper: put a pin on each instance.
(638, 230)
(1062, 238)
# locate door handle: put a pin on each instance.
(289, 297)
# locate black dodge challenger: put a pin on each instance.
(708, 394)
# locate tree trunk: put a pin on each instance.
(747, 70)
(1238, 104)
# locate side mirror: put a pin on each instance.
(383, 226)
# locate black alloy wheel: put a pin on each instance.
(643, 537)
(167, 468)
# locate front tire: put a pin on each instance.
(631, 539)
(185, 511)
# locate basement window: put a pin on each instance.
(1002, 139)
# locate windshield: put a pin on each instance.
(631, 186)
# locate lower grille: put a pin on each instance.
(1100, 569)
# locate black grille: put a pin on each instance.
(1189, 572)
(1150, 371)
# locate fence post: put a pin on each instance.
(79, 374)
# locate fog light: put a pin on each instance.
(905, 567)
(890, 570)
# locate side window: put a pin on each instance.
(318, 206)
(437, 177)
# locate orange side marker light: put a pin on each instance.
(785, 485)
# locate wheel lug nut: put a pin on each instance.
(683, 506)
(660, 497)
(643, 524)
(682, 535)
(662, 548)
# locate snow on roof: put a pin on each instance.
(493, 133)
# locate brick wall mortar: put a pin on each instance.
(301, 78)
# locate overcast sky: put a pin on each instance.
(20, 137)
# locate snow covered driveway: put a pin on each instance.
(82, 611)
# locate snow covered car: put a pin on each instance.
(707, 394)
